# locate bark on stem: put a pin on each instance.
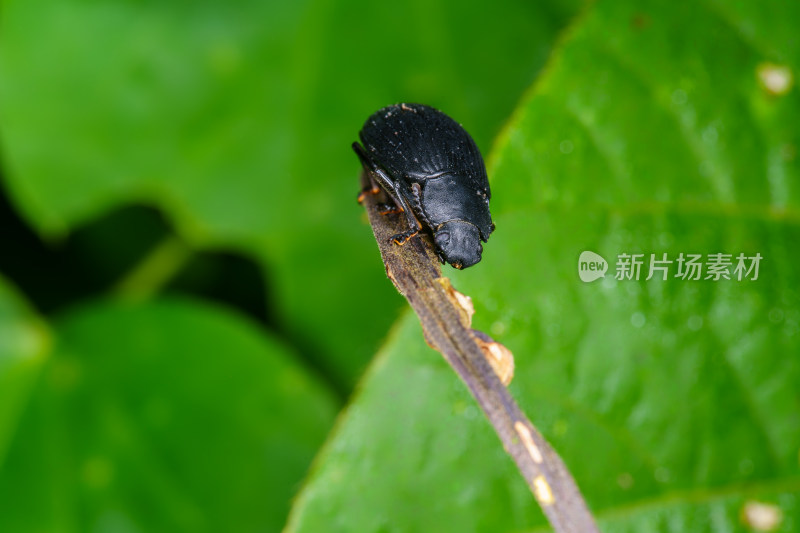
(415, 271)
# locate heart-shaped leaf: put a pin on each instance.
(167, 416)
(660, 128)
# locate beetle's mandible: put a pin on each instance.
(432, 170)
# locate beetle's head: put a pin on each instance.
(458, 243)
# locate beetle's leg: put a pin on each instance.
(414, 227)
(369, 190)
(389, 209)
(379, 175)
(402, 238)
(388, 185)
(413, 224)
(371, 169)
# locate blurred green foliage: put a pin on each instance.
(171, 416)
(655, 128)
(235, 118)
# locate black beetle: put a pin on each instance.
(433, 171)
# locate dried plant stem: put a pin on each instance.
(414, 269)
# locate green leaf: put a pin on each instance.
(413, 453)
(24, 346)
(236, 119)
(675, 403)
(169, 416)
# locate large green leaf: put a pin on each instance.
(236, 119)
(169, 416)
(24, 346)
(673, 402)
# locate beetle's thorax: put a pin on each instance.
(449, 197)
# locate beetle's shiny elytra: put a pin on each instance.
(432, 170)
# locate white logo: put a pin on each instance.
(591, 266)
